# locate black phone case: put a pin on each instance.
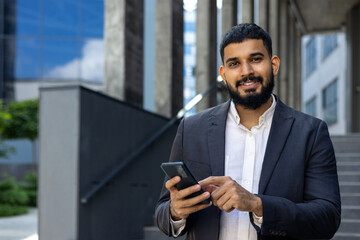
(173, 169)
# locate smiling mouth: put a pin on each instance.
(248, 83)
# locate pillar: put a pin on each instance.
(247, 11)
(264, 15)
(282, 80)
(273, 29)
(206, 71)
(291, 61)
(228, 20)
(169, 57)
(228, 15)
(353, 53)
(298, 82)
(124, 50)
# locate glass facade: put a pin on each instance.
(310, 56)
(54, 40)
(330, 100)
(310, 107)
(330, 43)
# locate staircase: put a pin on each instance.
(347, 150)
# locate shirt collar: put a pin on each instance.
(267, 115)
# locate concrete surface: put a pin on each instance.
(22, 227)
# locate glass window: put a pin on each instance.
(92, 60)
(330, 103)
(60, 59)
(330, 43)
(27, 18)
(27, 59)
(310, 107)
(310, 56)
(92, 13)
(189, 26)
(61, 18)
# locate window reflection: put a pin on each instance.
(27, 59)
(60, 59)
(28, 18)
(61, 18)
(53, 40)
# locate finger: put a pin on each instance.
(224, 199)
(172, 182)
(196, 200)
(187, 191)
(189, 210)
(217, 180)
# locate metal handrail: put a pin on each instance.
(85, 199)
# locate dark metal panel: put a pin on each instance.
(110, 131)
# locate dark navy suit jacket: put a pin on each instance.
(298, 185)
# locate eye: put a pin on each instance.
(232, 64)
(256, 59)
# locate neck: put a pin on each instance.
(250, 117)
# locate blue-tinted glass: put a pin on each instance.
(92, 12)
(27, 59)
(189, 27)
(187, 49)
(27, 17)
(92, 60)
(330, 103)
(60, 59)
(61, 18)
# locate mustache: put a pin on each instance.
(251, 78)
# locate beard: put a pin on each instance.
(252, 100)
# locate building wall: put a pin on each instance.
(327, 70)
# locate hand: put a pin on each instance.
(228, 195)
(180, 207)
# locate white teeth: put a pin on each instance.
(249, 83)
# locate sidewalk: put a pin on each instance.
(23, 227)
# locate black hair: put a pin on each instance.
(244, 31)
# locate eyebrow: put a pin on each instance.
(251, 55)
(230, 59)
(256, 53)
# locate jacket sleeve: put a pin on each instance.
(318, 216)
(162, 209)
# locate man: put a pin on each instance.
(269, 169)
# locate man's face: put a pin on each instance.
(249, 72)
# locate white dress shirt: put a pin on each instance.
(244, 155)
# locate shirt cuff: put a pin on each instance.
(258, 220)
(177, 226)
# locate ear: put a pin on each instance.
(222, 73)
(275, 62)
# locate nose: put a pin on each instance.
(246, 70)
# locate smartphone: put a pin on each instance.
(173, 169)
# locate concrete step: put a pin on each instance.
(351, 199)
(153, 233)
(349, 187)
(350, 225)
(349, 176)
(347, 157)
(346, 143)
(348, 166)
(346, 236)
(350, 212)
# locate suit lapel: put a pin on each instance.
(280, 129)
(216, 138)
